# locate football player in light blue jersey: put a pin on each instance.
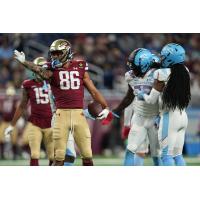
(140, 77)
(172, 88)
(143, 149)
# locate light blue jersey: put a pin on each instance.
(142, 122)
(145, 84)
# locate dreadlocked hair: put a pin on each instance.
(176, 93)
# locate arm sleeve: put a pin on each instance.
(152, 97)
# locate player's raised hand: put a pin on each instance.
(20, 56)
(8, 131)
(103, 114)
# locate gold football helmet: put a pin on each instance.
(40, 61)
(61, 50)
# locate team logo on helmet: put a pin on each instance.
(172, 54)
(140, 59)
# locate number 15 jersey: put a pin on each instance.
(67, 85)
(39, 101)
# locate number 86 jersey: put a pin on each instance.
(67, 85)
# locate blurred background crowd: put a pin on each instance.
(107, 52)
(106, 55)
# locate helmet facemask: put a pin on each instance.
(140, 61)
(136, 70)
(60, 52)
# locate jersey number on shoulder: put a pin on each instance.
(41, 98)
(69, 80)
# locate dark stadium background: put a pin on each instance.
(106, 55)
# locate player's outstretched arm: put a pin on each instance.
(18, 113)
(126, 101)
(20, 57)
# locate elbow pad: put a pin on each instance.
(152, 97)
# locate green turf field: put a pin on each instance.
(98, 161)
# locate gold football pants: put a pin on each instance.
(71, 120)
(35, 136)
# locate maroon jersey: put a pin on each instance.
(67, 84)
(40, 105)
(8, 108)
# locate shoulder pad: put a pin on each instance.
(128, 76)
(80, 63)
(26, 83)
(162, 74)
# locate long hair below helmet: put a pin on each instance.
(176, 93)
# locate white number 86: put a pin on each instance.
(69, 80)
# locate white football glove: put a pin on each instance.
(20, 56)
(8, 131)
(103, 114)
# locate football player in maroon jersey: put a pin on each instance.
(40, 119)
(7, 109)
(68, 78)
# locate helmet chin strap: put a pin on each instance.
(56, 63)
